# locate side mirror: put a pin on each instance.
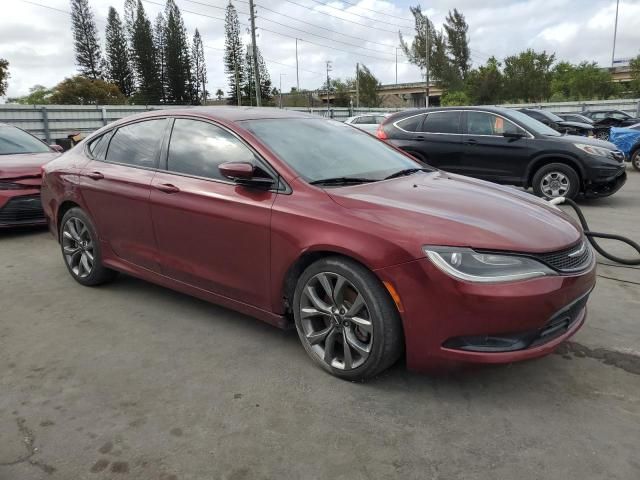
(56, 147)
(243, 173)
(513, 134)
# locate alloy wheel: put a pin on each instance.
(336, 322)
(78, 247)
(555, 184)
(602, 136)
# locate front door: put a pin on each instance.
(116, 188)
(488, 154)
(211, 232)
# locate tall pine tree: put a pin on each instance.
(160, 42)
(233, 55)
(265, 79)
(179, 77)
(144, 58)
(86, 41)
(199, 69)
(118, 67)
(457, 42)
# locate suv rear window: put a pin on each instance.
(410, 124)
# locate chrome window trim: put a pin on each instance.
(530, 135)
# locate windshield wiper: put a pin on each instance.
(342, 181)
(407, 171)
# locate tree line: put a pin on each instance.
(528, 76)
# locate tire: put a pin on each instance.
(603, 135)
(635, 159)
(78, 235)
(370, 330)
(556, 180)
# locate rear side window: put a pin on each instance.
(442, 122)
(197, 148)
(137, 144)
(410, 124)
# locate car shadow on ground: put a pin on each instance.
(17, 232)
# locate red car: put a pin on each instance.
(21, 157)
(301, 220)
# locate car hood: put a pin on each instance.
(443, 209)
(568, 123)
(24, 165)
(584, 140)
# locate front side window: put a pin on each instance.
(98, 147)
(619, 115)
(319, 149)
(483, 123)
(14, 141)
(442, 122)
(137, 144)
(599, 115)
(197, 148)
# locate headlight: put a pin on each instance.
(471, 266)
(591, 150)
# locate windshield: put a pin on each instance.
(319, 149)
(13, 140)
(551, 116)
(532, 124)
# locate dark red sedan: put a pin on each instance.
(297, 219)
(21, 157)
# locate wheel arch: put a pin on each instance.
(63, 208)
(543, 160)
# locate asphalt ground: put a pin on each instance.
(134, 381)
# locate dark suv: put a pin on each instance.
(603, 120)
(509, 147)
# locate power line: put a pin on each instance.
(358, 15)
(343, 19)
(377, 11)
(300, 30)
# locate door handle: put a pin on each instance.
(167, 188)
(95, 175)
(472, 141)
(420, 138)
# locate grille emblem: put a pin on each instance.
(579, 251)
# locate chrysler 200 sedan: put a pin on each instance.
(301, 220)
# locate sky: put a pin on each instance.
(38, 43)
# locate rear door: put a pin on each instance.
(116, 184)
(211, 232)
(440, 139)
(488, 154)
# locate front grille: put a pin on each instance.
(618, 155)
(25, 209)
(569, 260)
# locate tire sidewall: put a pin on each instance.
(383, 315)
(569, 172)
(635, 160)
(97, 272)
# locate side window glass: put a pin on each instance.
(411, 124)
(442, 122)
(599, 115)
(137, 144)
(482, 123)
(197, 148)
(98, 147)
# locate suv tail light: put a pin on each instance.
(381, 134)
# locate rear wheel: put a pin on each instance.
(603, 135)
(345, 319)
(556, 180)
(635, 159)
(81, 249)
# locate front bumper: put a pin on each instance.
(19, 208)
(606, 184)
(438, 310)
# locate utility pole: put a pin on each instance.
(281, 88)
(396, 65)
(256, 74)
(235, 64)
(297, 75)
(328, 70)
(426, 56)
(615, 34)
(357, 85)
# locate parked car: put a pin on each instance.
(293, 218)
(506, 146)
(605, 119)
(628, 141)
(558, 124)
(21, 157)
(368, 123)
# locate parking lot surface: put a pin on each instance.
(131, 380)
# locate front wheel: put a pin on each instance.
(635, 159)
(81, 249)
(556, 180)
(603, 135)
(346, 320)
